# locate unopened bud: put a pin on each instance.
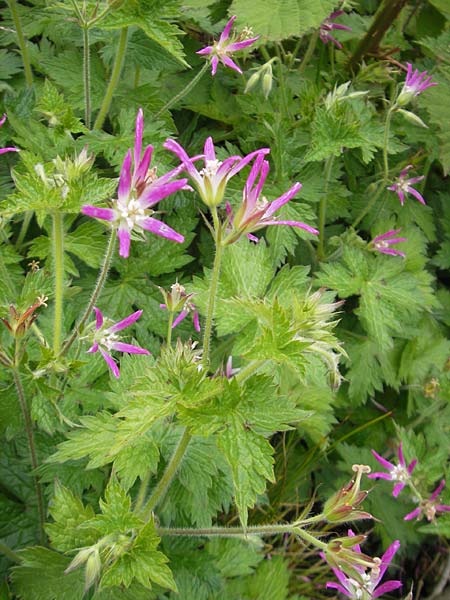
(412, 118)
(267, 81)
(93, 569)
(253, 80)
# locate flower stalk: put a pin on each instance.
(22, 42)
(323, 209)
(87, 77)
(184, 92)
(58, 261)
(114, 79)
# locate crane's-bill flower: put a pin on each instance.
(403, 186)
(416, 82)
(177, 300)
(367, 586)
(343, 505)
(329, 25)
(211, 181)
(139, 190)
(10, 148)
(256, 212)
(221, 50)
(382, 243)
(430, 506)
(106, 339)
(399, 473)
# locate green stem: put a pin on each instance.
(140, 499)
(22, 42)
(368, 207)
(282, 83)
(169, 329)
(58, 260)
(227, 531)
(193, 82)
(171, 469)
(31, 444)
(249, 369)
(385, 143)
(309, 51)
(310, 539)
(96, 292)
(24, 227)
(323, 209)
(115, 74)
(87, 77)
(212, 289)
(9, 553)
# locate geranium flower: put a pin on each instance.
(221, 50)
(211, 181)
(403, 186)
(10, 148)
(257, 212)
(178, 300)
(139, 190)
(369, 585)
(415, 83)
(430, 506)
(106, 339)
(399, 473)
(328, 25)
(382, 243)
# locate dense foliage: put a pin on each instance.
(210, 345)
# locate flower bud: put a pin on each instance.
(93, 569)
(267, 81)
(253, 80)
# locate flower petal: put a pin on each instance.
(226, 60)
(141, 168)
(214, 63)
(111, 363)
(125, 177)
(298, 224)
(125, 322)
(124, 242)
(8, 149)
(160, 228)
(107, 214)
(240, 45)
(412, 515)
(385, 463)
(389, 586)
(416, 194)
(386, 476)
(340, 588)
(196, 320)
(226, 32)
(130, 348)
(156, 193)
(183, 314)
(93, 348)
(98, 317)
(138, 138)
(204, 51)
(209, 151)
(281, 201)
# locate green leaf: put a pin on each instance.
(280, 20)
(41, 577)
(435, 103)
(250, 458)
(269, 582)
(142, 562)
(69, 529)
(116, 514)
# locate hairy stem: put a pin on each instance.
(193, 82)
(58, 264)
(226, 531)
(172, 467)
(387, 128)
(22, 42)
(87, 78)
(96, 292)
(9, 553)
(309, 51)
(368, 207)
(323, 208)
(169, 329)
(115, 74)
(24, 227)
(31, 443)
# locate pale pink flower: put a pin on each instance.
(399, 473)
(403, 186)
(416, 82)
(430, 506)
(382, 243)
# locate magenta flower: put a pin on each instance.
(382, 243)
(220, 50)
(10, 148)
(429, 507)
(328, 25)
(257, 212)
(138, 192)
(403, 186)
(177, 300)
(415, 83)
(369, 585)
(106, 339)
(399, 473)
(211, 181)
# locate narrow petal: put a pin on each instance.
(214, 63)
(8, 149)
(252, 238)
(125, 322)
(196, 320)
(401, 458)
(230, 63)
(385, 463)
(125, 177)
(404, 172)
(175, 147)
(416, 179)
(387, 557)
(154, 194)
(281, 201)
(138, 138)
(124, 242)
(183, 314)
(386, 476)
(226, 32)
(412, 515)
(93, 348)
(240, 45)
(412, 465)
(298, 224)
(107, 214)
(334, 40)
(254, 172)
(401, 195)
(442, 508)
(160, 228)
(3, 119)
(388, 234)
(111, 363)
(438, 490)
(244, 161)
(204, 51)
(130, 348)
(98, 317)
(142, 167)
(341, 27)
(389, 586)
(416, 194)
(391, 251)
(209, 149)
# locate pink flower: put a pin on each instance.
(403, 186)
(139, 190)
(429, 507)
(382, 243)
(415, 83)
(220, 50)
(106, 339)
(369, 585)
(211, 181)
(177, 300)
(257, 212)
(328, 25)
(399, 473)
(10, 148)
